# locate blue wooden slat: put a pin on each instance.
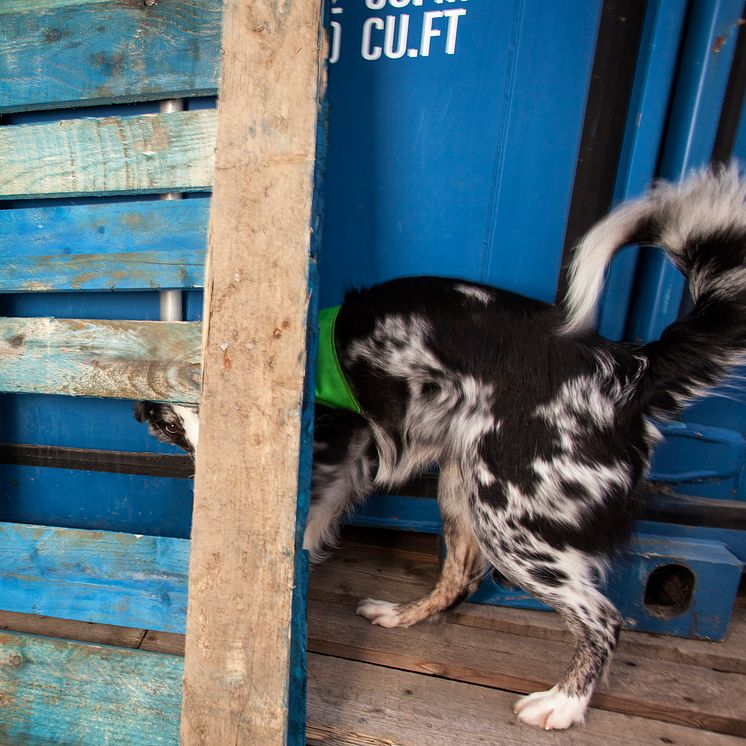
(94, 576)
(96, 500)
(702, 81)
(112, 155)
(62, 692)
(123, 359)
(107, 52)
(120, 246)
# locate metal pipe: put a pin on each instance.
(171, 300)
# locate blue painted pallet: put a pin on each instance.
(94, 576)
(120, 246)
(111, 155)
(62, 692)
(112, 502)
(154, 360)
(91, 52)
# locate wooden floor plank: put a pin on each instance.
(357, 571)
(358, 704)
(643, 684)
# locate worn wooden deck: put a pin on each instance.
(453, 683)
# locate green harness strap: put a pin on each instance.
(332, 388)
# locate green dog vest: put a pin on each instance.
(332, 387)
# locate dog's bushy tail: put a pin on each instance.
(701, 224)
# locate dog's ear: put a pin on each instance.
(141, 411)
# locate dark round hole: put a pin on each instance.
(669, 590)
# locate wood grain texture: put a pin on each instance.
(401, 575)
(36, 6)
(643, 686)
(357, 704)
(245, 532)
(94, 576)
(112, 155)
(122, 359)
(61, 692)
(56, 54)
(120, 246)
(68, 629)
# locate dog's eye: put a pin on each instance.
(171, 428)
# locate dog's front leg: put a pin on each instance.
(461, 568)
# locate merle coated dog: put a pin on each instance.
(542, 430)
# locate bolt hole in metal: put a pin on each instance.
(669, 590)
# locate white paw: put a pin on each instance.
(382, 613)
(551, 710)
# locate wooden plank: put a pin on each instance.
(358, 571)
(357, 704)
(61, 692)
(113, 155)
(86, 53)
(122, 359)
(250, 491)
(68, 629)
(673, 692)
(94, 576)
(89, 459)
(36, 6)
(728, 656)
(121, 246)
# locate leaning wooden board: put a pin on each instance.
(60, 53)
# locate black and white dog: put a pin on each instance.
(541, 429)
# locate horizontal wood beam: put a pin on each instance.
(152, 360)
(59, 53)
(113, 155)
(119, 246)
(94, 576)
(58, 691)
(88, 459)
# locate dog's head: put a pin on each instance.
(171, 423)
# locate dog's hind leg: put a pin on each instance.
(342, 476)
(461, 569)
(564, 579)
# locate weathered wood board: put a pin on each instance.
(111, 155)
(94, 576)
(58, 53)
(357, 704)
(675, 688)
(61, 692)
(118, 246)
(152, 360)
(251, 491)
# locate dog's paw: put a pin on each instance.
(551, 710)
(382, 613)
